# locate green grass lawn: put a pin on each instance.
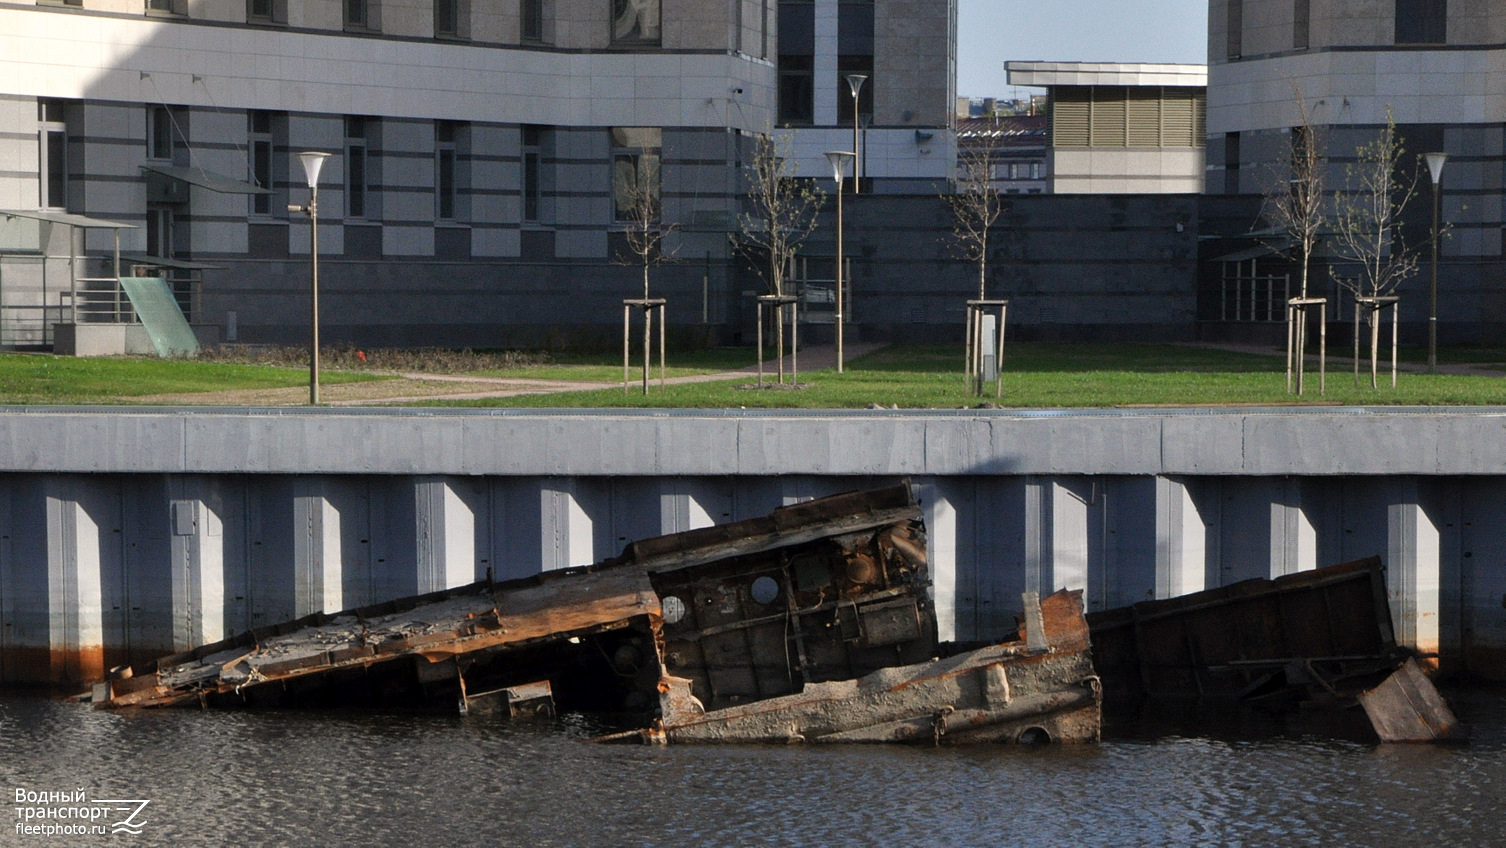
(42, 379)
(909, 376)
(1047, 375)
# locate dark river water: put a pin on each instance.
(325, 778)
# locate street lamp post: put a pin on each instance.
(312, 163)
(1435, 170)
(838, 159)
(855, 84)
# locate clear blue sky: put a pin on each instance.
(992, 32)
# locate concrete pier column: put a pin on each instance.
(445, 533)
(687, 505)
(317, 582)
(198, 563)
(1294, 539)
(568, 532)
(1056, 534)
(75, 607)
(1181, 540)
(1412, 568)
(937, 505)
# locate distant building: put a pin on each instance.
(1016, 147)
(1122, 128)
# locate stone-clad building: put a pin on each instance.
(1436, 65)
(472, 194)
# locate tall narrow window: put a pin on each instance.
(1236, 34)
(796, 62)
(635, 22)
(444, 170)
(531, 27)
(1231, 163)
(159, 133)
(159, 230)
(52, 147)
(447, 18)
(355, 167)
(259, 137)
(1301, 24)
(532, 171)
(1421, 21)
(636, 179)
(854, 56)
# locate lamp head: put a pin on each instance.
(312, 161)
(1435, 165)
(855, 82)
(838, 159)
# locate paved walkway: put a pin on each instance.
(1344, 362)
(462, 387)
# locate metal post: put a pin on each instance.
(314, 297)
(648, 324)
(1435, 170)
(839, 277)
(627, 313)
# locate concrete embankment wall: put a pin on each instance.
(127, 534)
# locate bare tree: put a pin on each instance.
(636, 183)
(975, 206)
(1296, 201)
(781, 214)
(782, 210)
(1368, 235)
(1296, 205)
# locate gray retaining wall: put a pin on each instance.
(125, 534)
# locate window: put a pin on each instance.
(635, 22)
(444, 170)
(355, 167)
(1231, 163)
(796, 62)
(167, 7)
(531, 25)
(635, 170)
(361, 14)
(159, 230)
(1014, 171)
(159, 133)
(1035, 170)
(52, 147)
(267, 11)
(532, 171)
(259, 140)
(1421, 21)
(449, 19)
(1235, 43)
(796, 90)
(1301, 24)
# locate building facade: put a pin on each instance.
(1121, 128)
(1434, 66)
(475, 192)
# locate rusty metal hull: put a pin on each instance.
(1039, 689)
(1317, 638)
(1250, 639)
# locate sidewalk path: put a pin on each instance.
(1344, 363)
(478, 388)
(416, 387)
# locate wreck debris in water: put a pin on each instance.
(813, 622)
(1320, 637)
